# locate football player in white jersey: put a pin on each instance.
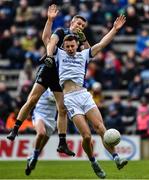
(79, 103)
(44, 120)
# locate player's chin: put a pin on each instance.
(71, 53)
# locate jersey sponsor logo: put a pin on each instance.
(71, 61)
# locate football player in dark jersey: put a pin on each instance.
(47, 77)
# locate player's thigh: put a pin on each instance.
(95, 117)
(40, 127)
(82, 125)
(59, 97)
(36, 91)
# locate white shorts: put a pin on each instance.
(49, 122)
(78, 102)
(45, 110)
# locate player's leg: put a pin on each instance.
(41, 137)
(33, 97)
(95, 117)
(62, 124)
(40, 141)
(82, 126)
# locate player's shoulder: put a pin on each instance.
(87, 52)
(84, 51)
(62, 30)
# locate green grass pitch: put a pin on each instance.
(73, 170)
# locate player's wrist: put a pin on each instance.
(115, 29)
(50, 19)
(49, 60)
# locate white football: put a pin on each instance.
(112, 137)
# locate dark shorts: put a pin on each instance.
(48, 78)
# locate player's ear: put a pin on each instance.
(62, 45)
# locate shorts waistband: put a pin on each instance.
(75, 92)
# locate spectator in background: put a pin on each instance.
(6, 102)
(110, 76)
(130, 67)
(142, 41)
(7, 13)
(117, 103)
(96, 92)
(5, 43)
(15, 34)
(16, 55)
(84, 11)
(40, 19)
(129, 117)
(111, 56)
(143, 118)
(97, 13)
(108, 20)
(26, 76)
(24, 14)
(99, 62)
(89, 78)
(29, 41)
(131, 56)
(27, 125)
(136, 88)
(132, 24)
(114, 120)
(112, 6)
(144, 11)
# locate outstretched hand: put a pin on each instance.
(52, 11)
(119, 22)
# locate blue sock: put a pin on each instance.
(36, 154)
(92, 159)
(114, 155)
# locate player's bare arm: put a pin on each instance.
(119, 22)
(52, 44)
(52, 13)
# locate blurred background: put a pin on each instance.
(118, 77)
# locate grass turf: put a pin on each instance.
(73, 170)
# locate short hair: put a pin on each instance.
(70, 37)
(79, 17)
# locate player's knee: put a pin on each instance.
(87, 137)
(100, 129)
(42, 133)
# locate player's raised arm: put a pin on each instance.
(52, 13)
(119, 22)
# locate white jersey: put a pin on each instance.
(72, 67)
(45, 110)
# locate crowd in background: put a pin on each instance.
(22, 23)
